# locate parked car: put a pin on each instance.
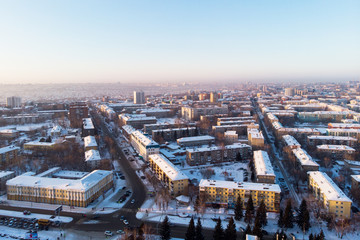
(125, 222)
(108, 233)
(133, 201)
(120, 231)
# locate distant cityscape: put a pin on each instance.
(240, 161)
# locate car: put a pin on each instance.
(52, 217)
(125, 222)
(133, 201)
(122, 177)
(123, 188)
(120, 231)
(26, 212)
(122, 218)
(108, 233)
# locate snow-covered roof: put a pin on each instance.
(335, 147)
(277, 125)
(154, 110)
(240, 185)
(128, 129)
(90, 141)
(8, 149)
(230, 133)
(70, 174)
(214, 148)
(356, 177)
(88, 124)
(304, 158)
(5, 173)
(136, 117)
(254, 133)
(343, 125)
(167, 167)
(328, 187)
(290, 140)
(340, 138)
(263, 164)
(49, 172)
(92, 155)
(56, 129)
(82, 184)
(145, 141)
(234, 118)
(196, 138)
(38, 143)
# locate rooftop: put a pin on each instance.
(92, 155)
(304, 158)
(263, 164)
(87, 123)
(328, 187)
(8, 149)
(167, 167)
(5, 173)
(146, 141)
(290, 140)
(90, 141)
(335, 147)
(240, 185)
(196, 138)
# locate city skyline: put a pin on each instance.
(79, 42)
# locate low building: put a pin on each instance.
(217, 154)
(4, 176)
(78, 193)
(144, 145)
(196, 141)
(355, 133)
(136, 120)
(176, 181)
(313, 141)
(336, 151)
(255, 138)
(225, 193)
(329, 194)
(304, 161)
(127, 131)
(92, 158)
(42, 146)
(90, 143)
(88, 128)
(264, 171)
(9, 154)
(291, 142)
(9, 133)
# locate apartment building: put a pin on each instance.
(156, 112)
(240, 129)
(196, 141)
(136, 120)
(290, 142)
(355, 182)
(344, 125)
(225, 193)
(255, 138)
(355, 133)
(194, 113)
(139, 97)
(217, 154)
(77, 112)
(336, 151)
(322, 116)
(231, 137)
(264, 171)
(90, 143)
(236, 122)
(329, 194)
(303, 160)
(41, 146)
(313, 141)
(13, 102)
(9, 154)
(78, 193)
(144, 145)
(4, 176)
(176, 181)
(172, 134)
(88, 128)
(92, 158)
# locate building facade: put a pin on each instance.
(144, 145)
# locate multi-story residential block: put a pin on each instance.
(88, 128)
(144, 145)
(139, 97)
(322, 116)
(290, 142)
(355, 182)
(336, 151)
(172, 134)
(90, 143)
(313, 141)
(303, 160)
(157, 112)
(225, 193)
(42, 146)
(355, 133)
(148, 128)
(176, 181)
(77, 112)
(9, 154)
(13, 102)
(195, 141)
(217, 154)
(107, 111)
(329, 194)
(214, 97)
(92, 158)
(194, 113)
(231, 137)
(136, 120)
(344, 125)
(4, 176)
(255, 138)
(236, 122)
(78, 193)
(264, 171)
(240, 129)
(127, 131)
(9, 133)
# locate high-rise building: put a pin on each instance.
(213, 97)
(13, 102)
(77, 112)
(289, 92)
(139, 97)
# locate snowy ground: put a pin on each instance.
(226, 171)
(34, 215)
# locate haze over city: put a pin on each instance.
(177, 41)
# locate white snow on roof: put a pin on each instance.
(87, 123)
(145, 141)
(5, 173)
(90, 141)
(291, 141)
(56, 129)
(92, 155)
(344, 125)
(83, 184)
(128, 129)
(196, 138)
(263, 164)
(335, 147)
(304, 158)
(340, 138)
(215, 148)
(70, 174)
(328, 187)
(49, 172)
(8, 149)
(356, 177)
(240, 185)
(167, 167)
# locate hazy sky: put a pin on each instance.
(184, 40)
